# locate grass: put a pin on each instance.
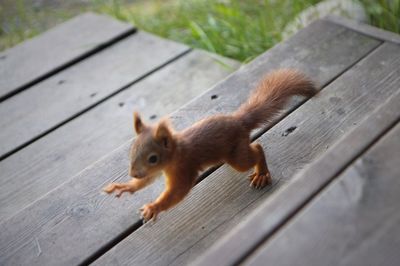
(234, 28)
(237, 29)
(384, 14)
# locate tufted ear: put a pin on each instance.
(137, 123)
(163, 134)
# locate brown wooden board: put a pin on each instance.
(354, 221)
(35, 170)
(57, 48)
(75, 223)
(320, 122)
(72, 91)
(260, 225)
(365, 29)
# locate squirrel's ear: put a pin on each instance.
(137, 123)
(163, 133)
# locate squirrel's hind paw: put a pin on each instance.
(259, 180)
(149, 212)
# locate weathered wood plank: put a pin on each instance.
(365, 29)
(319, 123)
(63, 153)
(305, 185)
(65, 95)
(354, 221)
(76, 213)
(55, 49)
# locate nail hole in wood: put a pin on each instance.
(121, 104)
(213, 97)
(288, 131)
(61, 82)
(153, 117)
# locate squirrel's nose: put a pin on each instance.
(134, 173)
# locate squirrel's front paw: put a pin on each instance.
(120, 188)
(109, 188)
(259, 180)
(149, 212)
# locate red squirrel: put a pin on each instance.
(222, 138)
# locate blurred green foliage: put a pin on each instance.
(240, 29)
(235, 28)
(384, 14)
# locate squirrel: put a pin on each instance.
(222, 138)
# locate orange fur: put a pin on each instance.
(213, 140)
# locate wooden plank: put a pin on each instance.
(319, 123)
(55, 158)
(365, 29)
(33, 60)
(260, 225)
(76, 213)
(354, 221)
(64, 96)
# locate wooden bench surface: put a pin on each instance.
(67, 134)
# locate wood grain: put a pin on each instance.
(260, 225)
(354, 221)
(63, 153)
(320, 122)
(55, 49)
(76, 213)
(65, 95)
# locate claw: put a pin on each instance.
(250, 177)
(260, 180)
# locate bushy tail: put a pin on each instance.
(271, 95)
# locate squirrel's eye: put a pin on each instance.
(153, 159)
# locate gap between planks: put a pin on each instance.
(39, 108)
(89, 107)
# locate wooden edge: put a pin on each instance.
(364, 28)
(126, 30)
(274, 213)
